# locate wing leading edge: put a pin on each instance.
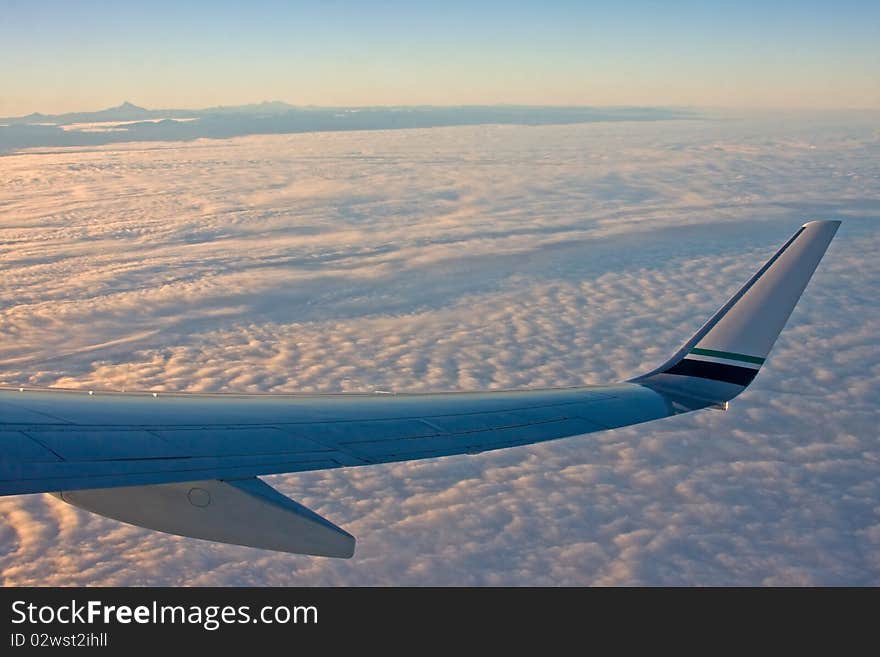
(139, 457)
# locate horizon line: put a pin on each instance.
(312, 106)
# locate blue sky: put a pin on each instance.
(61, 56)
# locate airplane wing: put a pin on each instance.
(188, 464)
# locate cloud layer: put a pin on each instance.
(468, 257)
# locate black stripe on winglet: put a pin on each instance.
(716, 371)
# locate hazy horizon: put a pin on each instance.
(129, 123)
(278, 102)
(731, 111)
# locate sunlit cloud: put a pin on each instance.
(455, 258)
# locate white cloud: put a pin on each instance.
(462, 258)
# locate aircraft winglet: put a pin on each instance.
(723, 357)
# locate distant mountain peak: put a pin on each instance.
(128, 106)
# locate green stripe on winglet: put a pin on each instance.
(728, 355)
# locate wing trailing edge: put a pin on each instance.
(240, 511)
